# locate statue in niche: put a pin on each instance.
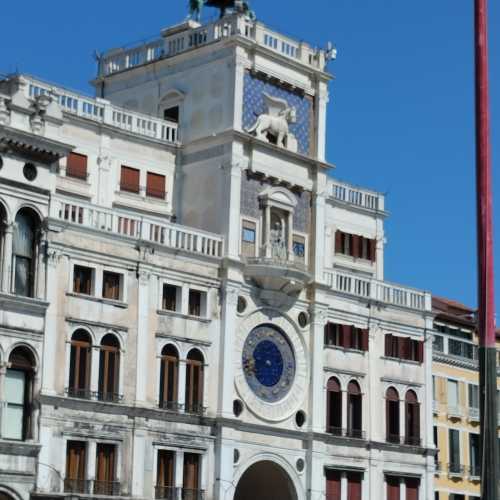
(275, 123)
(242, 6)
(278, 243)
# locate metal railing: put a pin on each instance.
(74, 392)
(188, 494)
(108, 397)
(348, 433)
(379, 291)
(455, 412)
(166, 492)
(141, 228)
(404, 440)
(456, 469)
(77, 486)
(474, 414)
(110, 488)
(172, 406)
(475, 472)
(194, 409)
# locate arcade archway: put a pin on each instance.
(266, 481)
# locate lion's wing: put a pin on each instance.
(275, 105)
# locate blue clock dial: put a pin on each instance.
(268, 363)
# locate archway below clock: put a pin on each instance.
(265, 480)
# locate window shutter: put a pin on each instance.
(393, 488)
(155, 185)
(420, 351)
(346, 336)
(353, 486)
(388, 344)
(338, 241)
(333, 485)
(364, 339)
(356, 242)
(76, 166)
(373, 250)
(129, 180)
(402, 349)
(412, 486)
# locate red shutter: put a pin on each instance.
(420, 351)
(332, 485)
(388, 344)
(412, 488)
(338, 241)
(76, 166)
(402, 347)
(155, 185)
(345, 341)
(129, 180)
(364, 340)
(356, 241)
(373, 250)
(392, 488)
(353, 486)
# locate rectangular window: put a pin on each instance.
(74, 481)
(333, 484)
(171, 114)
(354, 485)
(393, 487)
(129, 179)
(453, 394)
(195, 303)
(454, 450)
(191, 475)
(412, 486)
(475, 461)
(332, 334)
(82, 280)
(165, 479)
(474, 396)
(155, 185)
(111, 285)
(171, 294)
(248, 238)
(76, 166)
(105, 474)
(15, 395)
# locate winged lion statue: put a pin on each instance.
(276, 121)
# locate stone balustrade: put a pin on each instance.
(102, 111)
(191, 35)
(354, 196)
(378, 291)
(130, 225)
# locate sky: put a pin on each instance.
(400, 117)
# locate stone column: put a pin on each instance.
(234, 212)
(51, 334)
(343, 486)
(267, 233)
(179, 471)
(322, 102)
(142, 346)
(7, 259)
(317, 245)
(138, 461)
(94, 370)
(289, 236)
(3, 402)
(344, 410)
(181, 391)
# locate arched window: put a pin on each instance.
(3, 228)
(392, 415)
(194, 382)
(109, 369)
(333, 407)
(79, 365)
(25, 252)
(169, 376)
(19, 395)
(412, 419)
(354, 410)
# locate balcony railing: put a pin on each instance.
(172, 406)
(108, 397)
(188, 494)
(103, 112)
(167, 492)
(455, 412)
(456, 470)
(140, 228)
(475, 472)
(348, 433)
(77, 486)
(194, 35)
(474, 414)
(404, 440)
(357, 197)
(378, 291)
(194, 409)
(109, 488)
(74, 392)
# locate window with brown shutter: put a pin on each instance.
(420, 351)
(393, 488)
(364, 340)
(79, 365)
(111, 285)
(82, 280)
(109, 366)
(194, 303)
(155, 185)
(169, 375)
(412, 486)
(74, 482)
(412, 419)
(169, 299)
(354, 485)
(338, 241)
(354, 410)
(373, 250)
(129, 179)
(165, 479)
(333, 407)
(191, 475)
(194, 382)
(76, 166)
(356, 241)
(392, 415)
(105, 474)
(333, 484)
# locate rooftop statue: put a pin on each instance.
(196, 6)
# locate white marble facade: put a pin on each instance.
(127, 296)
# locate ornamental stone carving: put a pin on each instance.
(4, 112)
(275, 122)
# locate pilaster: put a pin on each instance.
(7, 258)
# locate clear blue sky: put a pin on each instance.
(400, 118)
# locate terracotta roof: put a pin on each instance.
(453, 311)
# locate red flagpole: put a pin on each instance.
(490, 474)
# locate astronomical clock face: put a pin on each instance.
(268, 363)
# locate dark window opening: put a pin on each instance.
(109, 369)
(392, 415)
(169, 301)
(354, 410)
(333, 407)
(105, 476)
(172, 114)
(111, 285)
(194, 303)
(75, 482)
(194, 382)
(82, 280)
(165, 478)
(169, 375)
(25, 253)
(79, 365)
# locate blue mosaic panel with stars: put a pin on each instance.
(269, 363)
(253, 106)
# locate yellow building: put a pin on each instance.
(456, 401)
